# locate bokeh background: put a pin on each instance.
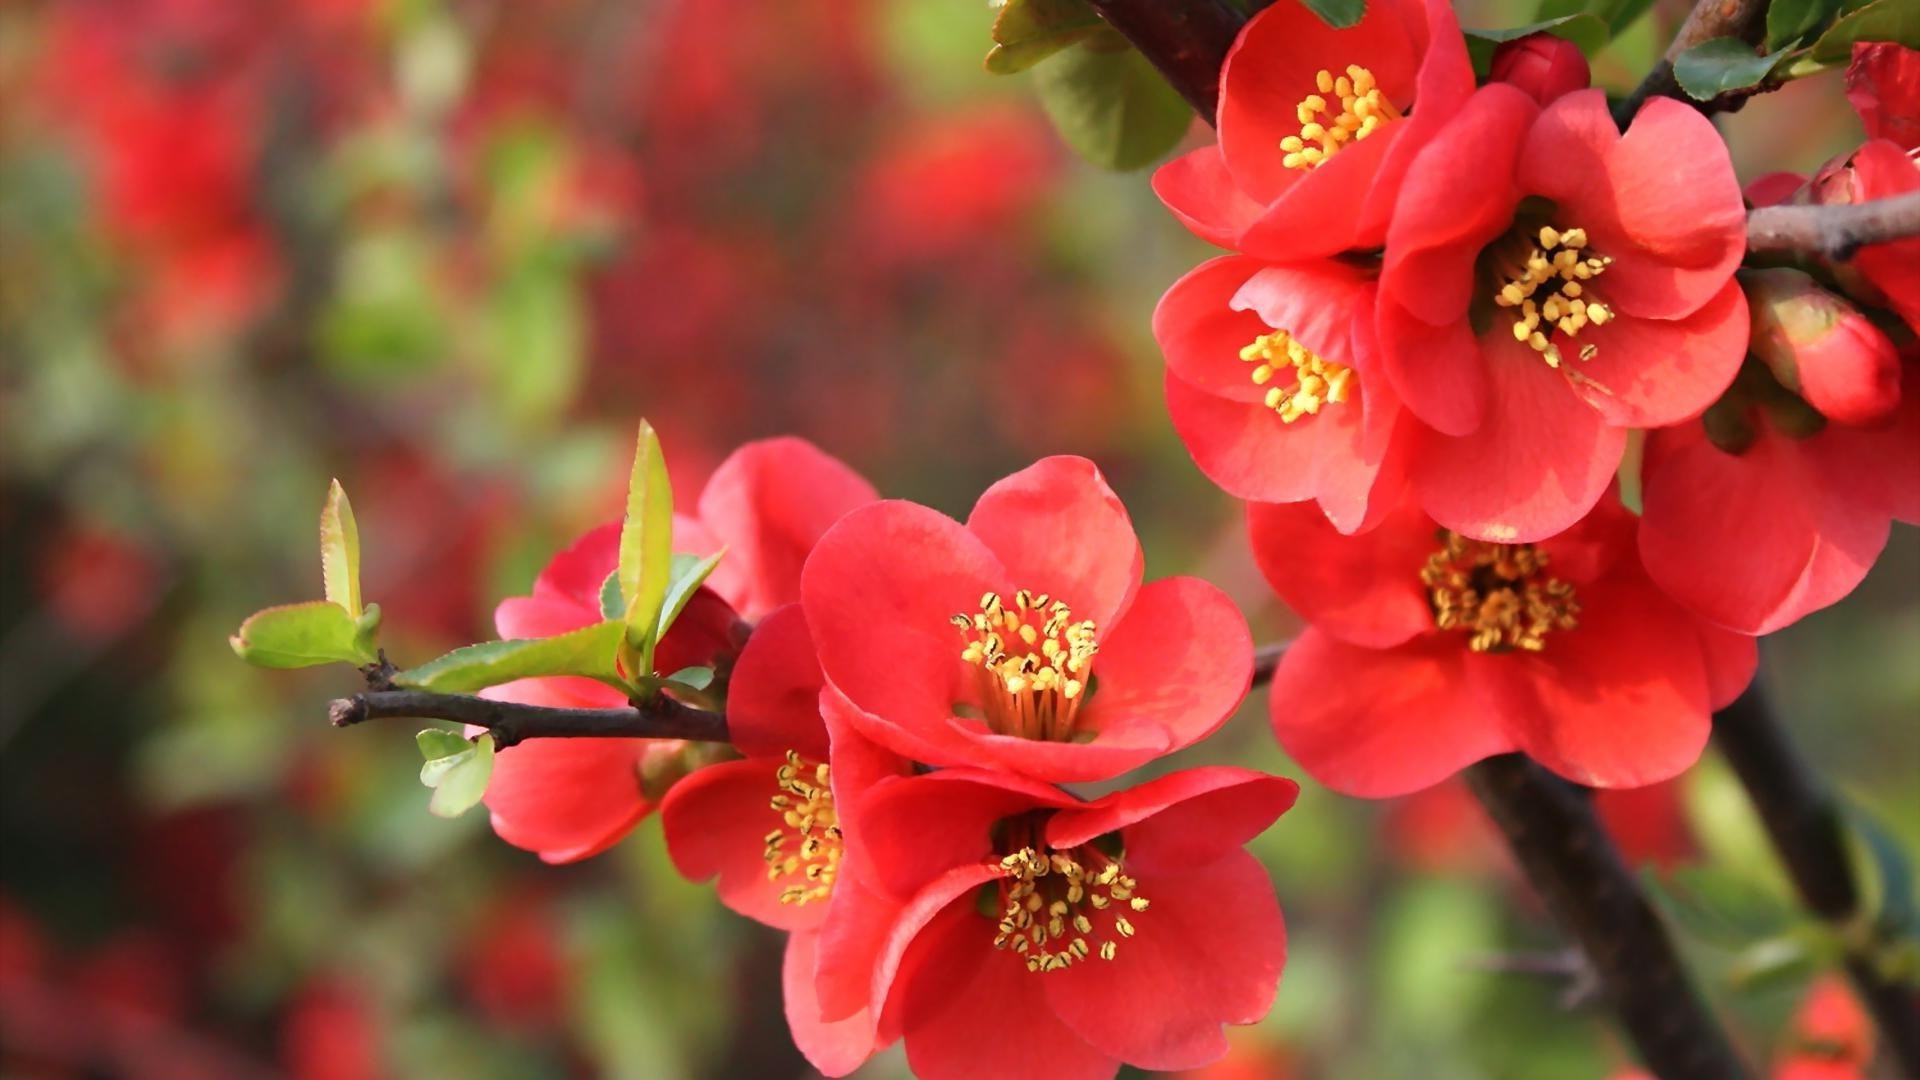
(450, 251)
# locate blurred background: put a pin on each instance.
(450, 251)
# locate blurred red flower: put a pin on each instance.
(1883, 85)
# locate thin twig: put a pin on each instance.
(1709, 19)
(1806, 826)
(1266, 659)
(1187, 40)
(511, 722)
(1571, 863)
(1834, 231)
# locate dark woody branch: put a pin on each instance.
(1709, 19)
(1834, 231)
(1187, 40)
(511, 722)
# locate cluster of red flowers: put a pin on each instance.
(911, 694)
(1451, 311)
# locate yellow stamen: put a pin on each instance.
(1076, 888)
(1317, 381)
(1547, 287)
(1346, 109)
(1497, 594)
(1034, 662)
(805, 806)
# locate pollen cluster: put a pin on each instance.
(1317, 381)
(1497, 594)
(1561, 265)
(1346, 109)
(1054, 903)
(807, 845)
(1033, 660)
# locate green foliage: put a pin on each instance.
(456, 770)
(688, 574)
(1788, 21)
(646, 547)
(1028, 31)
(306, 635)
(1110, 105)
(1719, 907)
(1882, 20)
(693, 678)
(1338, 14)
(1587, 31)
(1715, 67)
(588, 652)
(340, 551)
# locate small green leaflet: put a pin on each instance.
(306, 635)
(456, 770)
(646, 541)
(1028, 31)
(340, 551)
(1110, 105)
(588, 652)
(689, 573)
(1722, 64)
(1897, 21)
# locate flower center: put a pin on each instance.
(807, 845)
(1549, 287)
(1054, 902)
(1497, 594)
(1346, 109)
(1032, 659)
(1317, 380)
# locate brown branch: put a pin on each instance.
(511, 722)
(1805, 823)
(1187, 40)
(1834, 231)
(1571, 863)
(1709, 19)
(1266, 659)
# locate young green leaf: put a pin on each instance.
(1721, 64)
(1338, 14)
(689, 573)
(459, 781)
(1028, 31)
(1897, 21)
(436, 743)
(1109, 104)
(693, 678)
(340, 550)
(646, 540)
(611, 605)
(1790, 20)
(304, 635)
(587, 652)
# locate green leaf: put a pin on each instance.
(693, 678)
(689, 573)
(1790, 20)
(1777, 961)
(1721, 908)
(1883, 20)
(588, 652)
(646, 541)
(1028, 31)
(1110, 105)
(1714, 67)
(459, 780)
(1618, 14)
(436, 743)
(1583, 29)
(304, 635)
(1890, 873)
(611, 606)
(340, 551)
(1338, 14)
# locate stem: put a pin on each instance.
(1187, 40)
(1266, 659)
(1834, 231)
(1805, 823)
(511, 722)
(1709, 19)
(1571, 863)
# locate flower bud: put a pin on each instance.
(1542, 65)
(1821, 347)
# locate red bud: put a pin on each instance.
(1542, 65)
(1821, 347)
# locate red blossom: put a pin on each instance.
(1886, 273)
(1428, 651)
(1278, 184)
(1544, 66)
(767, 503)
(1549, 283)
(1883, 85)
(1821, 347)
(1022, 640)
(1152, 926)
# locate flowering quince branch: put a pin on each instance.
(512, 722)
(1833, 231)
(1709, 19)
(1572, 864)
(1805, 823)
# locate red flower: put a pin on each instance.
(1317, 127)
(1005, 928)
(768, 502)
(1429, 651)
(1891, 271)
(1821, 347)
(1883, 84)
(768, 826)
(1544, 66)
(1548, 284)
(1271, 383)
(1765, 512)
(1023, 639)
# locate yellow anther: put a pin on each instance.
(1317, 381)
(1499, 595)
(805, 804)
(1073, 893)
(1345, 109)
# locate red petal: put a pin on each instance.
(1201, 333)
(1244, 447)
(1364, 589)
(773, 696)
(1648, 373)
(1181, 820)
(835, 1047)
(540, 616)
(566, 799)
(1460, 188)
(1317, 303)
(577, 573)
(1316, 216)
(1059, 529)
(769, 502)
(916, 828)
(716, 823)
(858, 762)
(853, 938)
(1107, 756)
(1177, 665)
(1377, 723)
(1540, 461)
(1199, 191)
(1207, 952)
(1731, 660)
(1437, 371)
(1443, 85)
